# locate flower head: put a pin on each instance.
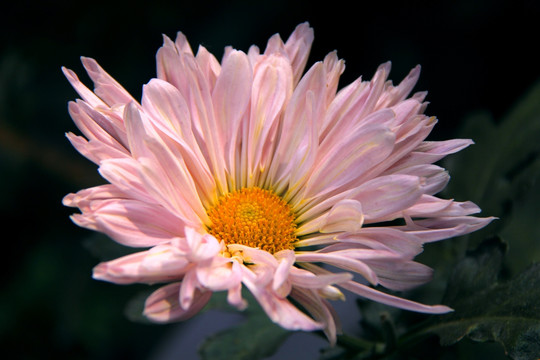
(246, 173)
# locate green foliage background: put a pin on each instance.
(480, 67)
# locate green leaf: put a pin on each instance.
(485, 310)
(522, 231)
(255, 338)
(504, 163)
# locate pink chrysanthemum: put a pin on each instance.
(247, 173)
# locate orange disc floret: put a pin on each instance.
(253, 217)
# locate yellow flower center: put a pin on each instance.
(253, 217)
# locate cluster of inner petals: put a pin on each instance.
(253, 217)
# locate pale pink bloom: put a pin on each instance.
(308, 167)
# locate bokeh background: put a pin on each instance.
(475, 55)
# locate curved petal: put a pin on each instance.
(202, 246)
(85, 93)
(430, 206)
(286, 260)
(346, 162)
(231, 94)
(298, 46)
(435, 229)
(320, 310)
(124, 174)
(402, 243)
(166, 265)
(339, 260)
(98, 126)
(431, 151)
(345, 215)
(106, 87)
(272, 88)
(387, 299)
(223, 275)
(305, 279)
(387, 195)
(400, 274)
(163, 305)
(208, 65)
(279, 310)
(136, 223)
(297, 137)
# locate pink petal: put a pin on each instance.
(128, 269)
(208, 65)
(272, 87)
(135, 223)
(255, 256)
(308, 280)
(162, 172)
(383, 298)
(400, 274)
(202, 114)
(298, 46)
(85, 93)
(402, 243)
(334, 68)
(432, 151)
(349, 160)
(435, 229)
(170, 114)
(168, 109)
(182, 45)
(435, 177)
(106, 87)
(286, 260)
(416, 130)
(189, 290)
(97, 126)
(345, 215)
(321, 310)
(223, 275)
(339, 260)
(83, 198)
(405, 111)
(297, 139)
(393, 95)
(124, 174)
(163, 306)
(430, 206)
(232, 91)
(280, 310)
(342, 112)
(171, 67)
(234, 297)
(387, 195)
(202, 246)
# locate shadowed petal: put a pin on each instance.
(163, 306)
(279, 310)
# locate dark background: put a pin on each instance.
(475, 55)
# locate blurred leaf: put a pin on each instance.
(135, 307)
(104, 248)
(497, 171)
(478, 270)
(522, 230)
(256, 338)
(486, 310)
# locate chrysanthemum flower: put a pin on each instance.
(247, 173)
